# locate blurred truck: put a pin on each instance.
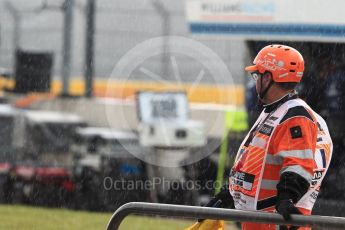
(8, 116)
(34, 156)
(38, 184)
(104, 166)
(45, 135)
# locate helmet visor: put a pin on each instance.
(251, 68)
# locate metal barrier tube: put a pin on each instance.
(194, 212)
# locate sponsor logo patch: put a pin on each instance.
(317, 176)
(266, 130)
(244, 180)
(273, 118)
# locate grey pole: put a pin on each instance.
(194, 212)
(164, 13)
(17, 23)
(16, 30)
(89, 47)
(66, 50)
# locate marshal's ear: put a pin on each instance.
(267, 77)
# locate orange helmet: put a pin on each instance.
(284, 62)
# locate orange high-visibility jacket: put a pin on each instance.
(291, 137)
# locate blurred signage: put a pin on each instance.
(162, 106)
(257, 19)
(230, 11)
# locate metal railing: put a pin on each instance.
(193, 212)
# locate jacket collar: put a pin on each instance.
(274, 105)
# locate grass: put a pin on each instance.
(36, 218)
(13, 217)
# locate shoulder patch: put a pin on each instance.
(296, 132)
(298, 111)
